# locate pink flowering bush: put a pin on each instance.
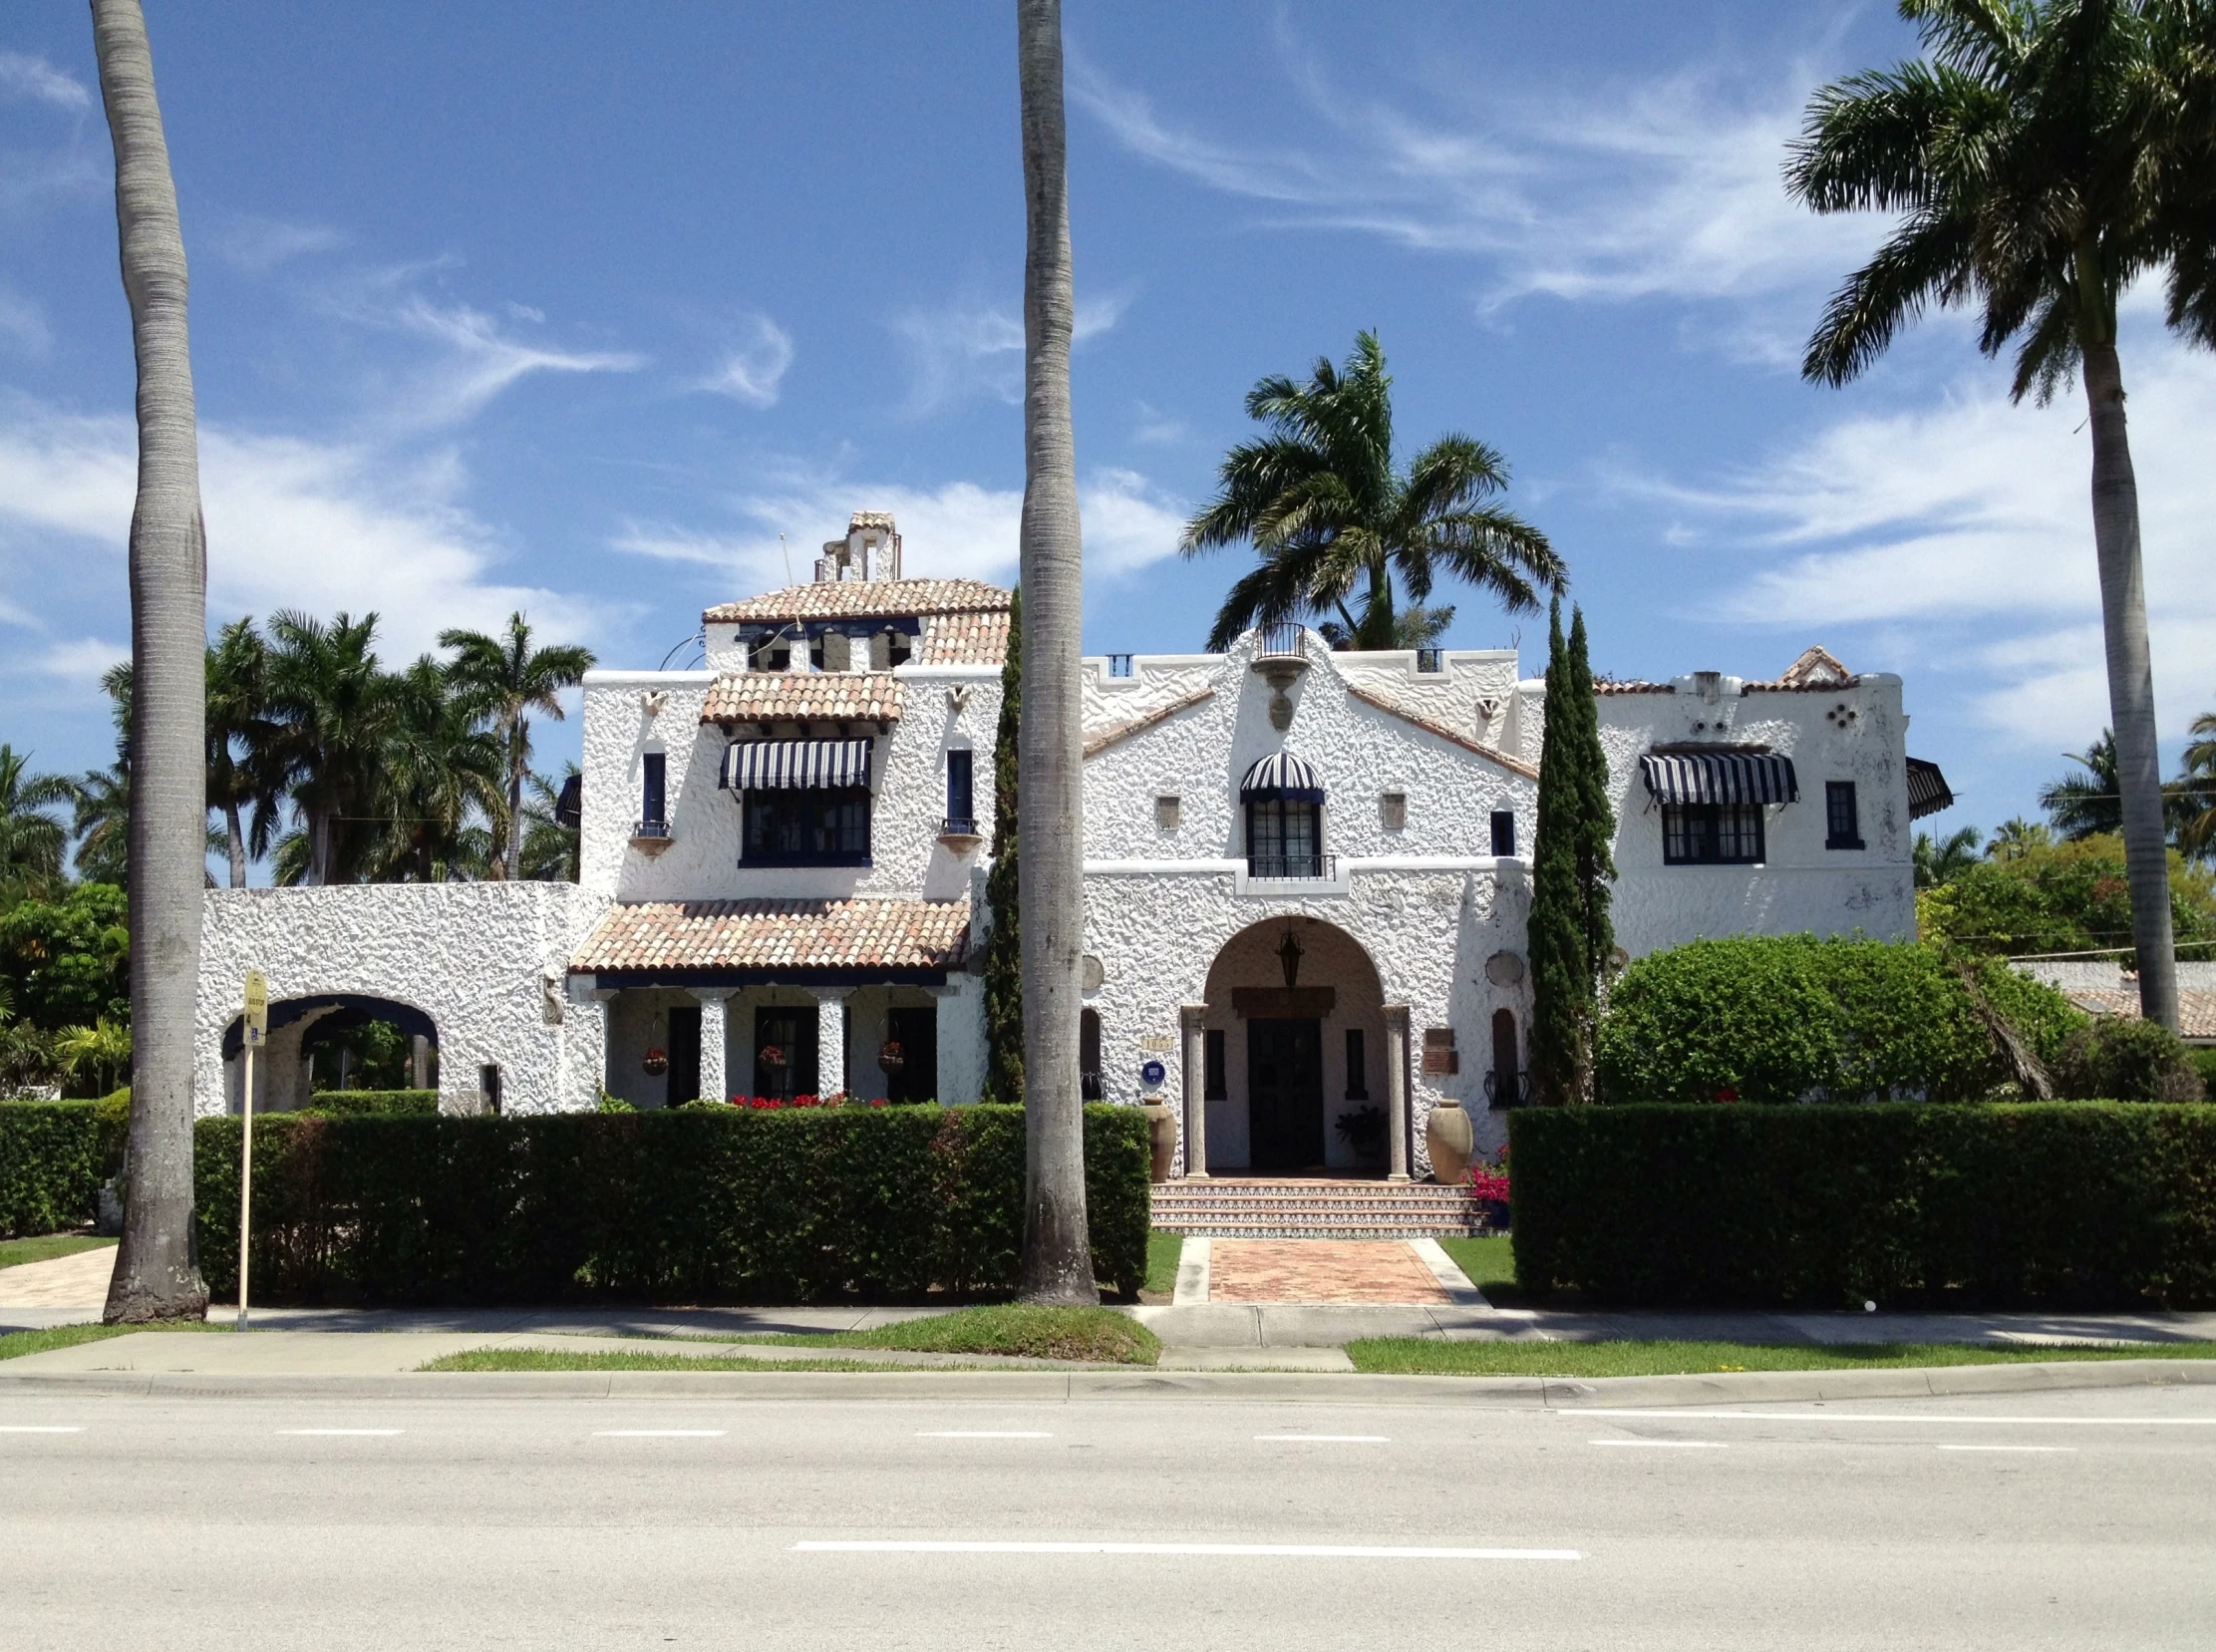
(773, 1103)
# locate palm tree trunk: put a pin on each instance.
(511, 863)
(156, 1277)
(1058, 1252)
(234, 841)
(2123, 627)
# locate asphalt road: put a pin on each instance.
(2074, 1519)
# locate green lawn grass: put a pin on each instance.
(1420, 1357)
(553, 1359)
(1011, 1329)
(1162, 1252)
(1490, 1264)
(15, 1343)
(45, 1246)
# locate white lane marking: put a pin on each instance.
(1332, 1439)
(657, 1433)
(343, 1433)
(1667, 1444)
(31, 1428)
(1903, 1417)
(2007, 1447)
(1325, 1551)
(981, 1434)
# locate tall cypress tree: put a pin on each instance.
(1555, 939)
(1596, 824)
(1004, 953)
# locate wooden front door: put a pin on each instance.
(1285, 1094)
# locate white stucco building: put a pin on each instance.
(1306, 874)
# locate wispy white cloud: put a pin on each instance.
(958, 530)
(1669, 185)
(257, 245)
(290, 523)
(1159, 429)
(973, 347)
(1965, 528)
(752, 369)
(37, 80)
(475, 361)
(23, 324)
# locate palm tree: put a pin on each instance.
(2087, 806)
(100, 1051)
(502, 678)
(1335, 520)
(2196, 832)
(2043, 155)
(1943, 860)
(2018, 836)
(438, 771)
(30, 840)
(551, 845)
(156, 1277)
(103, 826)
(1057, 1263)
(334, 709)
(240, 737)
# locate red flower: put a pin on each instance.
(1726, 1094)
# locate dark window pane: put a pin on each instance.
(654, 793)
(1358, 1081)
(1212, 1080)
(959, 795)
(1845, 827)
(819, 828)
(1504, 832)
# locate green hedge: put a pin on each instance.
(1783, 1018)
(685, 1205)
(364, 1104)
(2079, 1205)
(53, 1159)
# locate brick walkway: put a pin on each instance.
(79, 1280)
(1318, 1270)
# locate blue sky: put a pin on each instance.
(575, 308)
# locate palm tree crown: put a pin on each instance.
(1335, 520)
(30, 840)
(503, 677)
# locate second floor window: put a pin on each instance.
(1503, 831)
(653, 813)
(807, 827)
(1840, 815)
(1283, 837)
(961, 805)
(1711, 833)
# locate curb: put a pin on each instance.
(1074, 1387)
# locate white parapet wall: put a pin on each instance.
(485, 962)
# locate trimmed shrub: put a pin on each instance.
(365, 1103)
(2077, 1204)
(53, 1157)
(687, 1204)
(2131, 1060)
(1784, 1018)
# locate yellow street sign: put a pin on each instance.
(257, 1007)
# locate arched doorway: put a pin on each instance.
(1294, 1041)
(334, 1041)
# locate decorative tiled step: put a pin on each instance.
(1297, 1209)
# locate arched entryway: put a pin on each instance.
(333, 1041)
(1293, 1054)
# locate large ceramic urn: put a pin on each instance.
(1449, 1135)
(1161, 1136)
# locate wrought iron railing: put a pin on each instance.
(651, 829)
(1292, 867)
(1508, 1087)
(1280, 640)
(958, 826)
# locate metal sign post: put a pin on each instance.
(256, 1035)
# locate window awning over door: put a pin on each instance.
(1927, 792)
(1282, 775)
(1720, 777)
(795, 765)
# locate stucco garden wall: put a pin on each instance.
(486, 961)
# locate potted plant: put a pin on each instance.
(1362, 1129)
(1489, 1186)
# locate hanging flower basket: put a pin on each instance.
(891, 1057)
(772, 1055)
(655, 1062)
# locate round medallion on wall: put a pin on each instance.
(1505, 969)
(1091, 973)
(1151, 1073)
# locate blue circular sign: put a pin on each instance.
(1152, 1073)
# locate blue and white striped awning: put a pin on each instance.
(1282, 775)
(1720, 777)
(795, 765)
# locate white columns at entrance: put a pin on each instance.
(831, 1040)
(419, 1061)
(1197, 1091)
(1396, 1087)
(714, 1002)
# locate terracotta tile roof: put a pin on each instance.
(1514, 766)
(1633, 685)
(974, 637)
(2197, 1010)
(1105, 738)
(677, 935)
(805, 697)
(866, 599)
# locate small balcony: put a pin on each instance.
(651, 837)
(959, 833)
(1280, 641)
(1292, 868)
